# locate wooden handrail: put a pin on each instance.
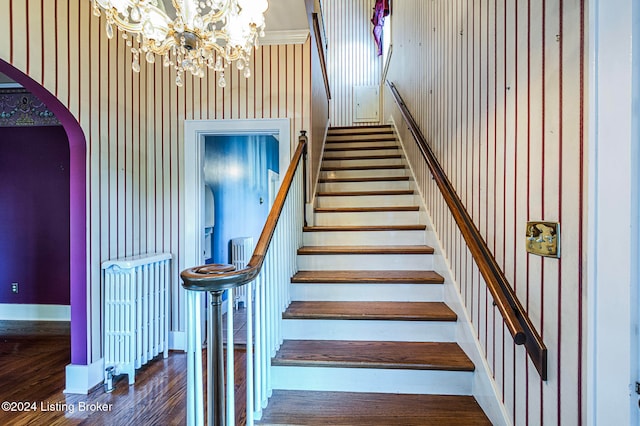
(321, 53)
(203, 278)
(520, 326)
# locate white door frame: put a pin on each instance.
(613, 203)
(193, 202)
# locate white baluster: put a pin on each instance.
(249, 354)
(273, 282)
(258, 346)
(264, 354)
(195, 401)
(231, 397)
(268, 353)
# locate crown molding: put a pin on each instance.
(284, 37)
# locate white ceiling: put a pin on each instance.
(284, 19)
(286, 15)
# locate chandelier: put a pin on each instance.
(189, 35)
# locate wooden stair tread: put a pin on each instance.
(364, 228)
(315, 408)
(361, 131)
(366, 209)
(373, 354)
(363, 128)
(355, 138)
(365, 193)
(365, 179)
(421, 249)
(376, 167)
(364, 157)
(361, 148)
(368, 277)
(393, 311)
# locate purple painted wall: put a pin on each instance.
(34, 215)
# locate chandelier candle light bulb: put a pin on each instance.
(190, 35)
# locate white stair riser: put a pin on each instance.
(369, 330)
(354, 292)
(353, 153)
(360, 144)
(367, 218)
(364, 186)
(372, 380)
(367, 201)
(328, 162)
(358, 130)
(365, 262)
(363, 137)
(362, 238)
(370, 173)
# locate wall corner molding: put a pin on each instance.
(284, 37)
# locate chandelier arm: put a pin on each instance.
(212, 18)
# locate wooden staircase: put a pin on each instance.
(367, 338)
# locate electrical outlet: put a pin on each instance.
(14, 288)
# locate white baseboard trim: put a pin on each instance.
(29, 312)
(80, 379)
(177, 340)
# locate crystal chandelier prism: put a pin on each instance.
(189, 35)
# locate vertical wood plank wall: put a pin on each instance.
(320, 108)
(498, 89)
(133, 124)
(351, 55)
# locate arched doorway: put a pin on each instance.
(77, 210)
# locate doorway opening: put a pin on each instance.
(77, 211)
(196, 135)
(195, 218)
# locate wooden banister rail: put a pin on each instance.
(515, 317)
(203, 278)
(321, 52)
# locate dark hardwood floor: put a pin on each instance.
(33, 357)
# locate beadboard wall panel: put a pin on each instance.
(498, 89)
(351, 55)
(133, 125)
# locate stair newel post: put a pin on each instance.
(303, 138)
(215, 363)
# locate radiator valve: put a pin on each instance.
(108, 380)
